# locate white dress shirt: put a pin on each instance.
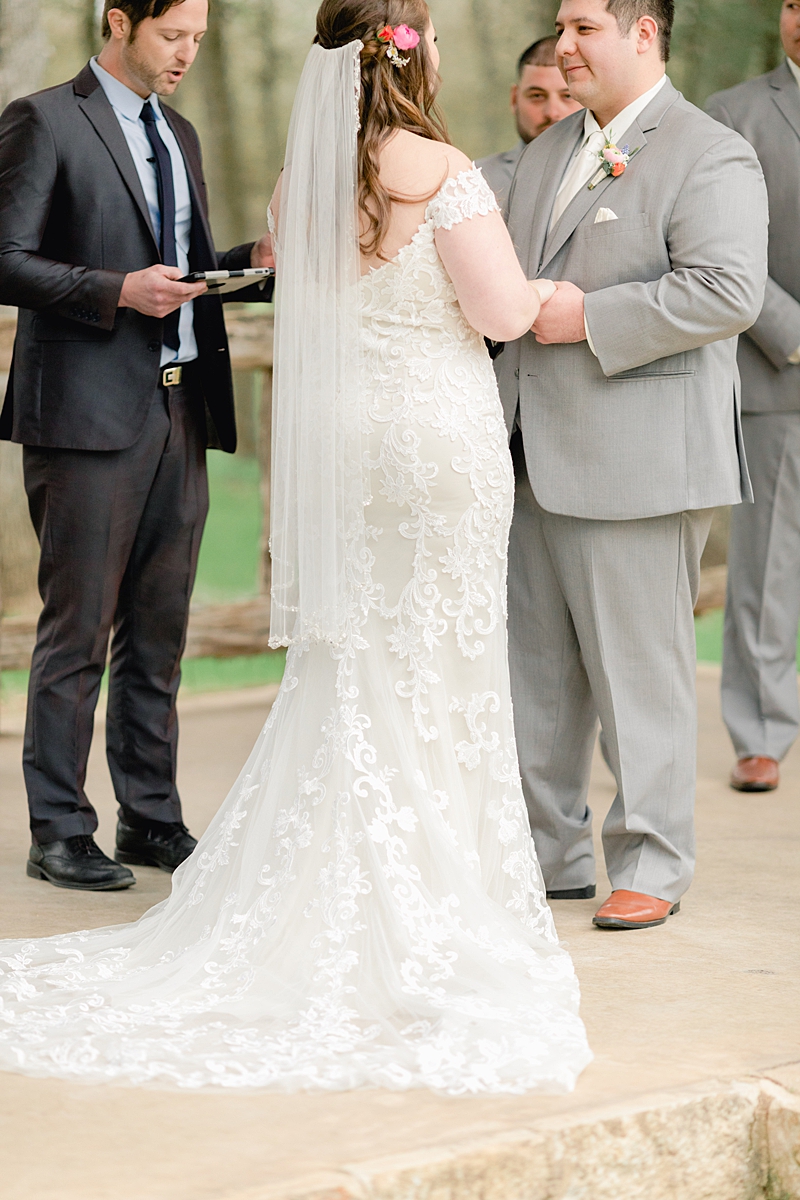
(585, 163)
(794, 359)
(127, 106)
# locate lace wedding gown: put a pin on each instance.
(366, 907)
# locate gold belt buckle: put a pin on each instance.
(171, 376)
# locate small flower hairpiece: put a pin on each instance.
(397, 39)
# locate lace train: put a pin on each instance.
(366, 907)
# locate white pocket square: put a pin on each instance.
(605, 214)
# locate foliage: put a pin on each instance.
(239, 94)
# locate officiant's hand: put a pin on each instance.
(262, 254)
(561, 318)
(155, 291)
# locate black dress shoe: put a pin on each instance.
(79, 863)
(585, 893)
(154, 844)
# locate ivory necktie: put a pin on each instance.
(166, 203)
(583, 167)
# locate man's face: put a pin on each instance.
(161, 51)
(790, 29)
(541, 99)
(597, 62)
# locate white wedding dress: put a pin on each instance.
(366, 908)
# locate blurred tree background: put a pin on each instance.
(239, 92)
(239, 95)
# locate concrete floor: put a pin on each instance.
(713, 995)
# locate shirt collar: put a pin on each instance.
(121, 97)
(793, 67)
(623, 120)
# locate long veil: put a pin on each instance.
(317, 486)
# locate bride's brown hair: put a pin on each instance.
(391, 97)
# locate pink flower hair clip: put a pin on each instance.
(397, 39)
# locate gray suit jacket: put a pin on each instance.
(767, 112)
(499, 171)
(651, 425)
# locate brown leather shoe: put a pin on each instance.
(633, 910)
(755, 774)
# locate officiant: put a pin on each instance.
(120, 380)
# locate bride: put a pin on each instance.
(366, 908)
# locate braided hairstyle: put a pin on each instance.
(391, 97)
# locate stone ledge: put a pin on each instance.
(722, 1141)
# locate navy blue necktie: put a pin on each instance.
(166, 204)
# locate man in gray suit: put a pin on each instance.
(624, 399)
(539, 99)
(759, 664)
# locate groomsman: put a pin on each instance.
(120, 379)
(539, 99)
(653, 218)
(759, 664)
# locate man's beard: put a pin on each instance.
(138, 65)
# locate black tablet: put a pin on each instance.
(230, 281)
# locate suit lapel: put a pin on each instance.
(561, 151)
(635, 136)
(579, 206)
(97, 109)
(201, 230)
(786, 95)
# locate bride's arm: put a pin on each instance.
(495, 297)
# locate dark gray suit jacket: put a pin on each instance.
(767, 112)
(73, 223)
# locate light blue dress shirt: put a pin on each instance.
(127, 106)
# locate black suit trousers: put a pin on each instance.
(120, 536)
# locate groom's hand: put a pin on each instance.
(262, 254)
(561, 318)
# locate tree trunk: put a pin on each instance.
(23, 53)
(23, 49)
(90, 22)
(226, 158)
(268, 80)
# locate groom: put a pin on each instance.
(121, 378)
(623, 402)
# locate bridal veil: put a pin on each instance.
(317, 486)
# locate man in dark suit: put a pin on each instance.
(759, 661)
(120, 379)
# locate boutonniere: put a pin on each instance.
(613, 161)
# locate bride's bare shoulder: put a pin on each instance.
(417, 165)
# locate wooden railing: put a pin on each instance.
(219, 631)
(225, 631)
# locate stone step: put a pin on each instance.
(734, 1141)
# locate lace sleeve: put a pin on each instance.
(466, 195)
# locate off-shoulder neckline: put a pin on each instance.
(394, 262)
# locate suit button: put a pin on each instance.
(516, 373)
(153, 347)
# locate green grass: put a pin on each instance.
(708, 633)
(220, 674)
(228, 569)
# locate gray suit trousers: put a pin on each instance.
(759, 664)
(600, 625)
